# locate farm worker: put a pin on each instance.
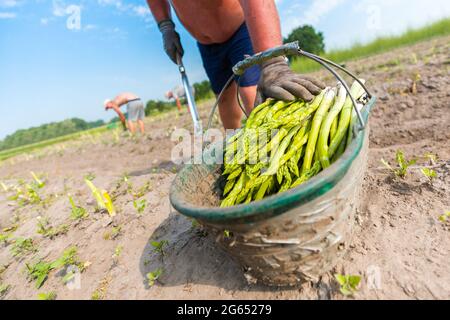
(135, 110)
(226, 31)
(178, 93)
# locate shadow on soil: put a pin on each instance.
(165, 165)
(191, 257)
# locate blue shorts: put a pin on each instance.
(219, 59)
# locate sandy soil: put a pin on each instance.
(400, 248)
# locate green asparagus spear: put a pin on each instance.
(344, 121)
(315, 127)
(322, 143)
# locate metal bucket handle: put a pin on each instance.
(291, 49)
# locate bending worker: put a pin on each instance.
(178, 93)
(135, 110)
(227, 31)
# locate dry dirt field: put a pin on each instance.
(399, 240)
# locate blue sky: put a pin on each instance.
(54, 66)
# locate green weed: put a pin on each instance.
(140, 205)
(153, 276)
(429, 173)
(348, 283)
(4, 288)
(113, 233)
(89, 176)
(159, 246)
(47, 230)
(403, 164)
(77, 213)
(47, 296)
(445, 217)
(40, 270)
(38, 183)
(4, 187)
(22, 246)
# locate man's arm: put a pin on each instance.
(263, 22)
(160, 9)
(277, 80)
(121, 117)
(171, 39)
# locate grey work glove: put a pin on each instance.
(171, 40)
(279, 82)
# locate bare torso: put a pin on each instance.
(124, 97)
(210, 21)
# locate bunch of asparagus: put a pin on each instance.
(284, 144)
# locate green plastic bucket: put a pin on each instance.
(287, 238)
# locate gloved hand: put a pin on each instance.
(171, 40)
(279, 82)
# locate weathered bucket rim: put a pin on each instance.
(276, 204)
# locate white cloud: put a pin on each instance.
(137, 10)
(296, 14)
(89, 27)
(141, 11)
(318, 10)
(7, 15)
(44, 21)
(59, 8)
(9, 3)
(116, 3)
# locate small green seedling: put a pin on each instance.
(445, 217)
(39, 183)
(89, 176)
(77, 213)
(3, 269)
(26, 195)
(22, 246)
(4, 237)
(140, 205)
(4, 288)
(40, 270)
(117, 252)
(195, 224)
(47, 296)
(432, 158)
(152, 277)
(43, 225)
(159, 246)
(142, 191)
(4, 187)
(96, 295)
(403, 165)
(48, 231)
(348, 283)
(100, 292)
(113, 233)
(103, 199)
(227, 234)
(33, 196)
(429, 173)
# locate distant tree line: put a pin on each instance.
(47, 131)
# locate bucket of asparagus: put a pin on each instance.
(282, 204)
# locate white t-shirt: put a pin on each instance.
(178, 92)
